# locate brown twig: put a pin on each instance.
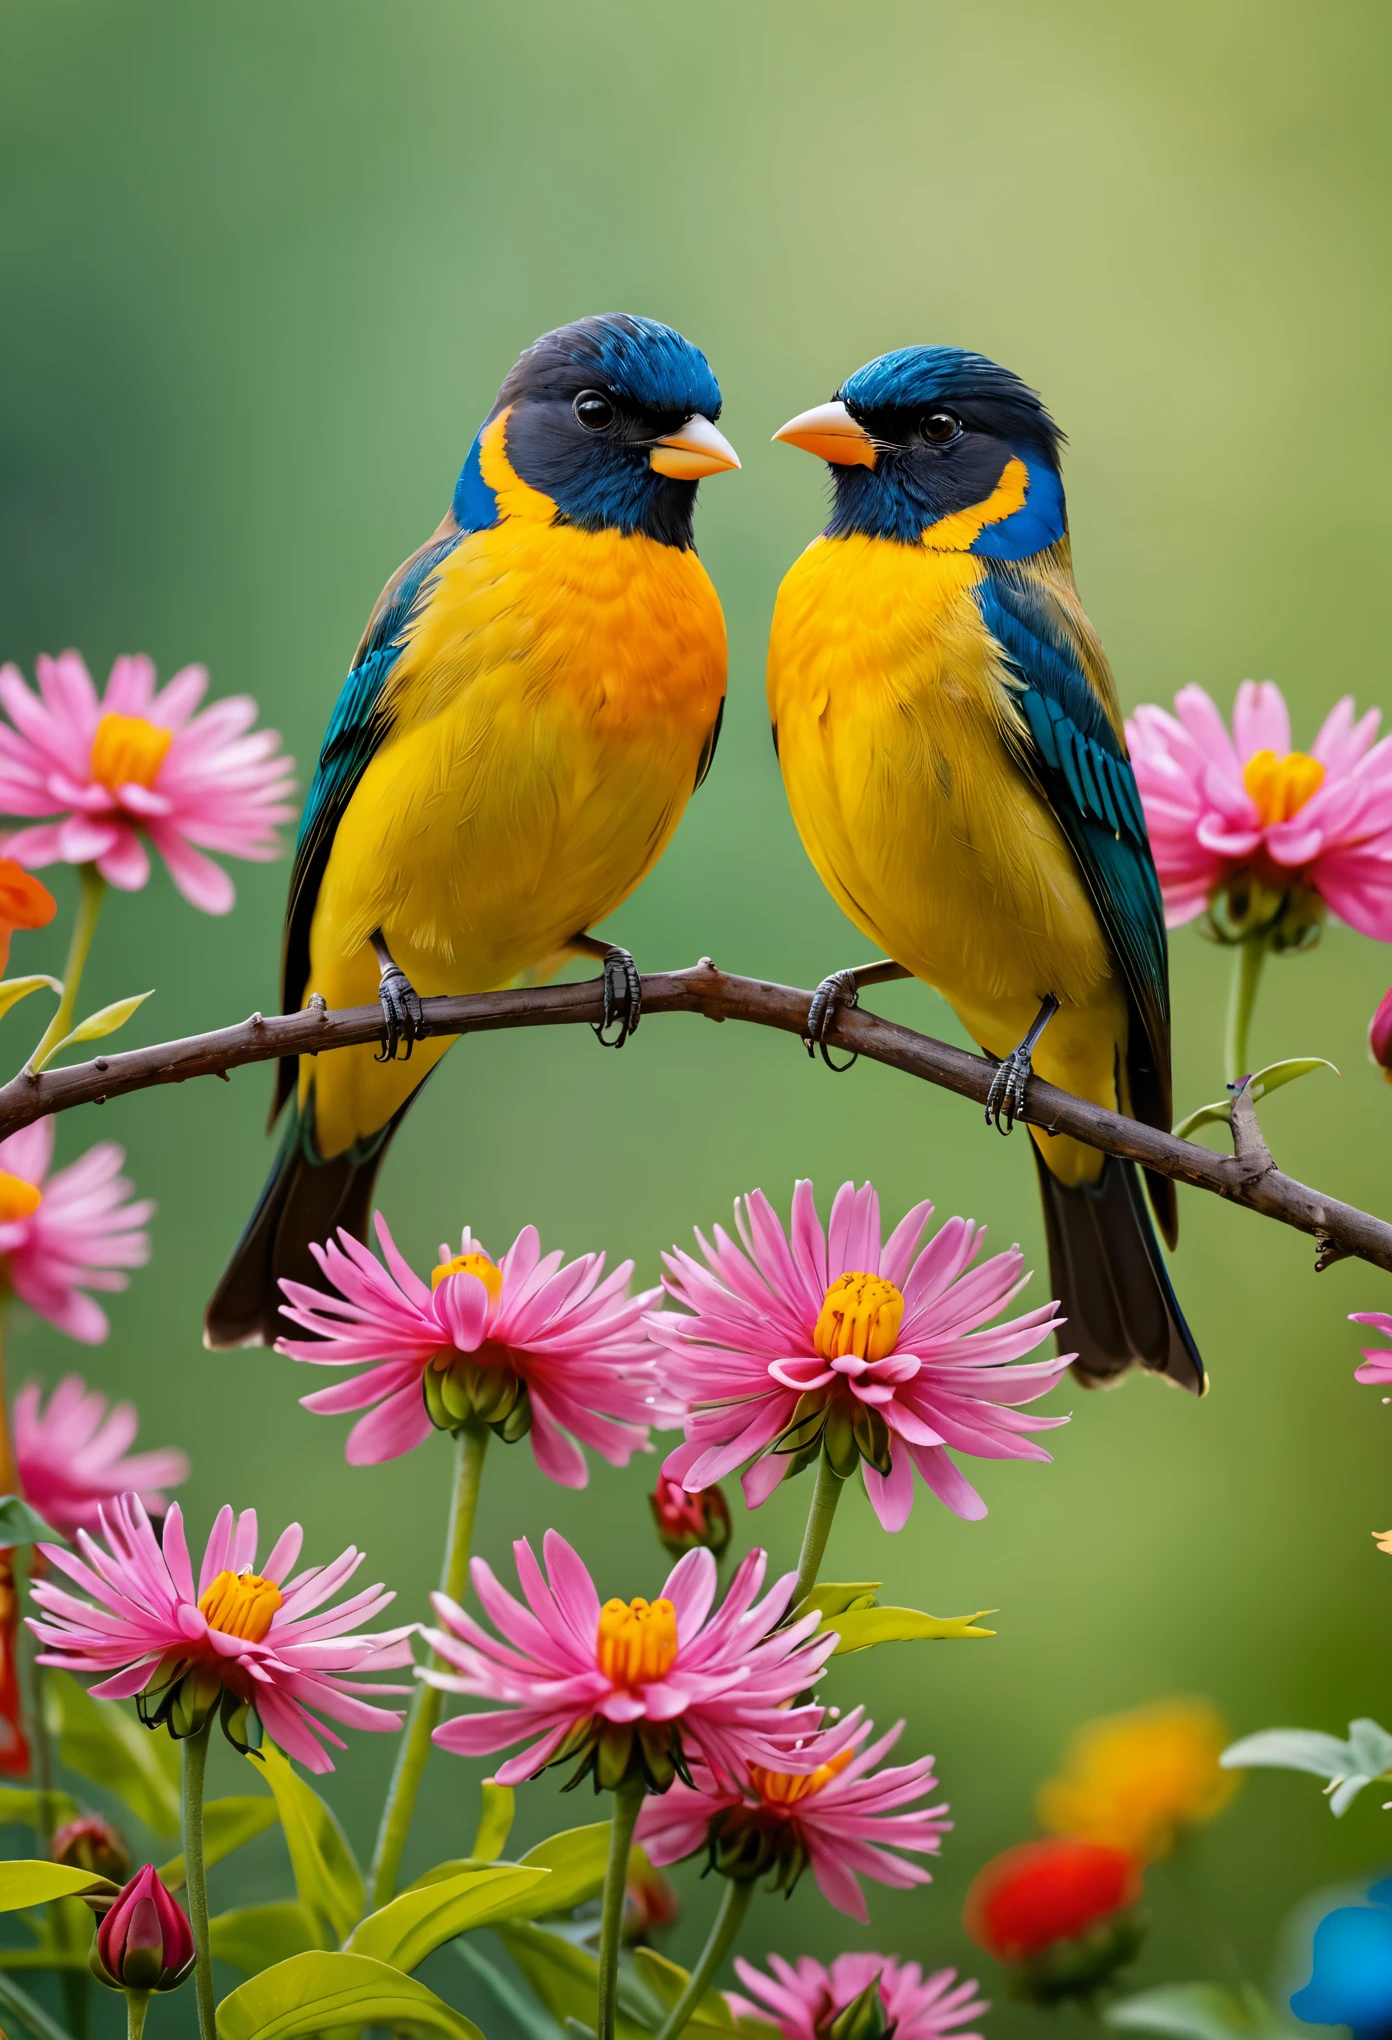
(1248, 1176)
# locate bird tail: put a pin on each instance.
(1106, 1270)
(305, 1200)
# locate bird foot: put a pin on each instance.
(840, 990)
(623, 998)
(403, 1019)
(1005, 1101)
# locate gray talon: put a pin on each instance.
(403, 1018)
(623, 998)
(1005, 1101)
(839, 990)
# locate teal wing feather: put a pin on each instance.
(361, 721)
(1074, 754)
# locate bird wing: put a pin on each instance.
(362, 719)
(1067, 736)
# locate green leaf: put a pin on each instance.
(522, 2010)
(19, 1524)
(667, 1980)
(416, 1924)
(327, 1877)
(565, 1978)
(252, 1937)
(495, 1821)
(834, 1599)
(860, 1628)
(100, 1741)
(21, 2006)
(12, 990)
(314, 1992)
(1199, 2011)
(36, 1881)
(106, 1020)
(576, 1859)
(1265, 1081)
(23, 1807)
(228, 1824)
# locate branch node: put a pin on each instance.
(1250, 1150)
(319, 1006)
(100, 1063)
(256, 1021)
(1327, 1252)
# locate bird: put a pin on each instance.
(536, 696)
(954, 756)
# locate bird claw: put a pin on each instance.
(403, 1017)
(1005, 1101)
(623, 998)
(834, 992)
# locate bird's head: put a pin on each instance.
(613, 418)
(934, 446)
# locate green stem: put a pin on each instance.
(728, 1922)
(137, 2004)
(825, 1496)
(413, 1751)
(89, 906)
(628, 1801)
(1248, 957)
(195, 1755)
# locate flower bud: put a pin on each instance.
(688, 1522)
(145, 1942)
(1059, 1913)
(864, 2018)
(1380, 1037)
(650, 1901)
(91, 1843)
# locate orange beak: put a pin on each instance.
(832, 434)
(697, 450)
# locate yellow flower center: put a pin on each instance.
(18, 1199)
(780, 1788)
(471, 1264)
(1280, 787)
(637, 1641)
(861, 1314)
(128, 751)
(240, 1604)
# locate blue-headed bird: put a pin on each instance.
(536, 697)
(953, 751)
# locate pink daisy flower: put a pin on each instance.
(805, 1999)
(1376, 1371)
(658, 1683)
(840, 1342)
(137, 766)
(71, 1456)
(238, 1639)
(1245, 815)
(843, 1819)
(526, 1343)
(74, 1230)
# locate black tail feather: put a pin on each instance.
(304, 1200)
(1106, 1270)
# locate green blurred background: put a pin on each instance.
(264, 268)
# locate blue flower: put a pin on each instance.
(1352, 1983)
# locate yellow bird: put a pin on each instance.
(953, 752)
(536, 697)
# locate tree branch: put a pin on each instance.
(1247, 1177)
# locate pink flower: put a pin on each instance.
(1246, 815)
(1376, 1370)
(1380, 1036)
(138, 766)
(659, 1683)
(525, 1343)
(70, 1456)
(840, 1340)
(145, 1941)
(842, 1819)
(67, 1232)
(239, 1639)
(804, 2000)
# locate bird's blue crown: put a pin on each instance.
(984, 394)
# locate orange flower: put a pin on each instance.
(24, 903)
(1138, 1780)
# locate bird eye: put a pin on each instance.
(940, 426)
(593, 410)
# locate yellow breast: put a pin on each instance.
(890, 704)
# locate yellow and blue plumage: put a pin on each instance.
(952, 748)
(536, 696)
